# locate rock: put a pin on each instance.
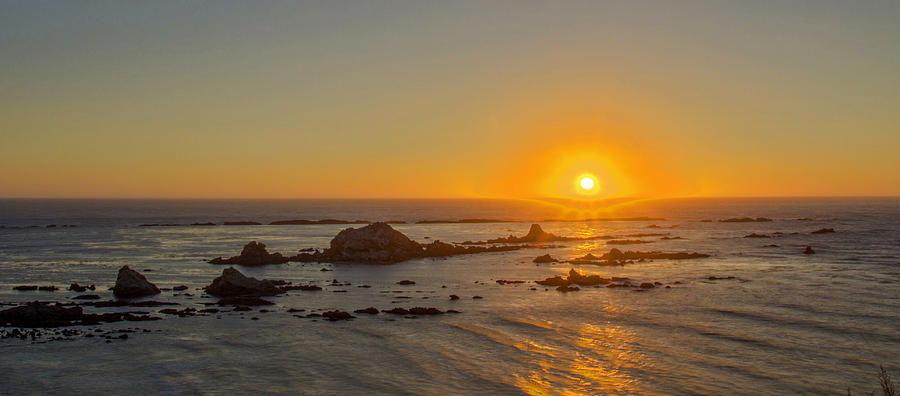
(424, 311)
(809, 250)
(36, 314)
(253, 254)
(647, 285)
(374, 243)
(565, 288)
(755, 235)
(370, 311)
(233, 283)
(86, 297)
(130, 283)
(48, 288)
(616, 254)
(585, 280)
(25, 287)
(300, 287)
(554, 281)
(203, 224)
(79, 288)
(396, 311)
(180, 288)
(244, 300)
(477, 297)
(745, 220)
(507, 282)
(454, 297)
(406, 282)
(544, 259)
(337, 315)
(824, 231)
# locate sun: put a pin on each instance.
(586, 183)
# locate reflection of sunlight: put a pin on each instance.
(598, 361)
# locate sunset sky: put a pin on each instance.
(420, 99)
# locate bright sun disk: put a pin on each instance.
(586, 183)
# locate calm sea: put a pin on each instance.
(787, 323)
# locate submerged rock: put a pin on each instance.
(253, 254)
(233, 283)
(130, 283)
(337, 315)
(824, 231)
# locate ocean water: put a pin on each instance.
(788, 323)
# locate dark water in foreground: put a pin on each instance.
(789, 323)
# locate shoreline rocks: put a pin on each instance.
(233, 283)
(253, 254)
(130, 283)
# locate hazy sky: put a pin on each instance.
(448, 98)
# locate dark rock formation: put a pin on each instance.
(544, 259)
(180, 288)
(130, 283)
(745, 220)
(253, 254)
(454, 297)
(809, 250)
(203, 224)
(79, 288)
(755, 235)
(616, 254)
(374, 243)
(424, 311)
(507, 282)
(824, 231)
(406, 282)
(87, 297)
(38, 314)
(233, 283)
(370, 311)
(48, 288)
(337, 315)
(574, 278)
(25, 287)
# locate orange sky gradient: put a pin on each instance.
(397, 101)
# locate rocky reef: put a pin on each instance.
(253, 254)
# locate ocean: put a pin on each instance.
(780, 322)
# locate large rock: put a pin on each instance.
(253, 254)
(36, 314)
(130, 283)
(374, 243)
(233, 283)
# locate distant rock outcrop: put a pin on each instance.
(544, 259)
(745, 220)
(253, 254)
(131, 283)
(809, 250)
(233, 283)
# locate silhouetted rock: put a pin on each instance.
(554, 281)
(25, 287)
(49, 288)
(809, 250)
(745, 220)
(180, 288)
(253, 254)
(374, 243)
(544, 259)
(79, 288)
(203, 224)
(130, 283)
(424, 311)
(38, 314)
(755, 235)
(454, 297)
(370, 311)
(337, 315)
(233, 283)
(87, 297)
(824, 231)
(507, 282)
(616, 254)
(647, 285)
(406, 282)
